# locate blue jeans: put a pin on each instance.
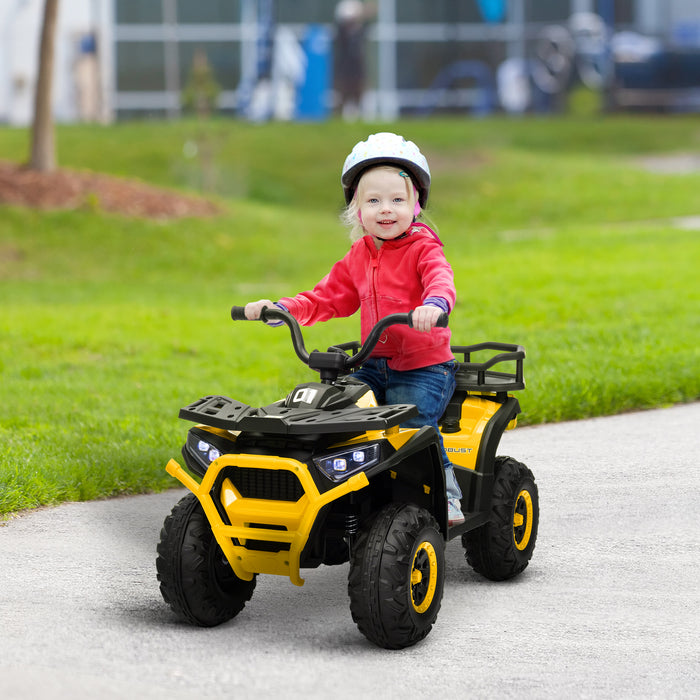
(428, 388)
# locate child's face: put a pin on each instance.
(385, 205)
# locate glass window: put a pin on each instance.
(139, 11)
(372, 64)
(624, 11)
(419, 65)
(140, 65)
(224, 59)
(547, 11)
(304, 11)
(438, 11)
(208, 11)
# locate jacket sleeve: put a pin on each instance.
(436, 275)
(335, 295)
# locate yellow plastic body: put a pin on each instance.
(463, 447)
(297, 519)
(291, 522)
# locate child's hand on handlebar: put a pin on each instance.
(426, 317)
(254, 308)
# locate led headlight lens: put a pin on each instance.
(207, 452)
(201, 453)
(340, 465)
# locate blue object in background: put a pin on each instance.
(88, 44)
(492, 10)
(313, 98)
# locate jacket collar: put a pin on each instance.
(415, 232)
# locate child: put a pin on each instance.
(394, 266)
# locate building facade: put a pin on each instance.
(119, 59)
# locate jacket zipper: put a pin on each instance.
(375, 273)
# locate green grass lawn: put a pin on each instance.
(108, 325)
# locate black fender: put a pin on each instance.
(415, 474)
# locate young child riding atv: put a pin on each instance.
(336, 472)
(396, 265)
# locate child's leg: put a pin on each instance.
(374, 374)
(430, 389)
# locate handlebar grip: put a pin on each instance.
(238, 313)
(268, 314)
(442, 322)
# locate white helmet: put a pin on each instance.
(393, 149)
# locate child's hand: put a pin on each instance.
(254, 308)
(425, 317)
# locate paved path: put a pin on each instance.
(609, 607)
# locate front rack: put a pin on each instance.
(229, 414)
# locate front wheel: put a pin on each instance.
(503, 547)
(195, 577)
(397, 572)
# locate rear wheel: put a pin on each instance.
(195, 577)
(503, 547)
(397, 572)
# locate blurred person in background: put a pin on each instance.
(351, 18)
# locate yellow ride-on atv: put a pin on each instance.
(326, 476)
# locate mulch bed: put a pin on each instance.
(69, 189)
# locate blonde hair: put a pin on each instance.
(350, 215)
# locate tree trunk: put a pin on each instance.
(43, 156)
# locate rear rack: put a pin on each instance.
(478, 376)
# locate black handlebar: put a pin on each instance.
(238, 313)
(348, 362)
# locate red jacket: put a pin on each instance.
(395, 278)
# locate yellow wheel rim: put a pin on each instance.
(522, 520)
(424, 576)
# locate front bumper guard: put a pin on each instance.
(295, 520)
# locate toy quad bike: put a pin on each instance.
(325, 476)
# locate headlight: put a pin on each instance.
(209, 452)
(340, 465)
(202, 452)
